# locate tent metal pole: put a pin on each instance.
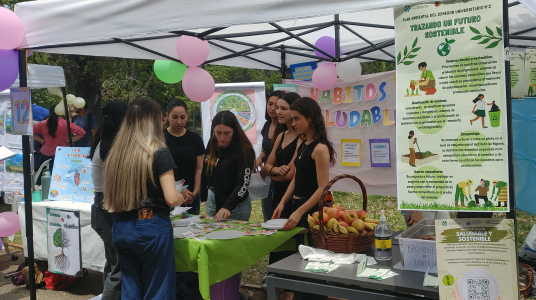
(146, 49)
(376, 59)
(513, 4)
(283, 63)
(299, 48)
(369, 49)
(367, 41)
(511, 188)
(380, 45)
(246, 56)
(23, 82)
(302, 40)
(255, 47)
(368, 25)
(523, 31)
(203, 34)
(526, 38)
(337, 26)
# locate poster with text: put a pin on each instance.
(530, 73)
(451, 107)
(21, 106)
(71, 175)
(517, 74)
(363, 110)
(476, 259)
(63, 239)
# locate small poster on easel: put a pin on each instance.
(64, 244)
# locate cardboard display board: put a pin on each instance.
(64, 243)
(71, 175)
(451, 107)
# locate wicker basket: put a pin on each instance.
(339, 242)
(530, 279)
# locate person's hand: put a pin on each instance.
(281, 170)
(187, 195)
(257, 164)
(263, 173)
(415, 139)
(278, 210)
(222, 214)
(415, 217)
(473, 111)
(292, 220)
(42, 142)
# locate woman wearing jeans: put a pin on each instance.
(227, 169)
(101, 220)
(139, 187)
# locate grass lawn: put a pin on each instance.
(376, 203)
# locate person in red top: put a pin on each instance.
(54, 131)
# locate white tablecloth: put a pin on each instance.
(92, 245)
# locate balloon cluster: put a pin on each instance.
(11, 36)
(197, 83)
(9, 224)
(325, 76)
(70, 98)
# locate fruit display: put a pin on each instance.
(338, 220)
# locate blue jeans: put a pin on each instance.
(147, 258)
(241, 212)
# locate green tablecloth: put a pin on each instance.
(217, 260)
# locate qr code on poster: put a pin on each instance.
(478, 289)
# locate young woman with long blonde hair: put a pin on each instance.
(139, 187)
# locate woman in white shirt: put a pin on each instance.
(480, 109)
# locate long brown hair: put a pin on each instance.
(130, 161)
(309, 108)
(226, 118)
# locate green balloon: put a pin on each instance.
(169, 71)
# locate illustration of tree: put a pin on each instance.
(61, 240)
(487, 38)
(414, 49)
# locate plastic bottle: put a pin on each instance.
(45, 183)
(383, 240)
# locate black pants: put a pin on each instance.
(477, 198)
(102, 222)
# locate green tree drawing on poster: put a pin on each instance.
(62, 241)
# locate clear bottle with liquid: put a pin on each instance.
(383, 240)
(45, 183)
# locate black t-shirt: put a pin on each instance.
(162, 162)
(266, 141)
(184, 150)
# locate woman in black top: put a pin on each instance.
(313, 157)
(187, 150)
(268, 132)
(280, 164)
(227, 169)
(139, 187)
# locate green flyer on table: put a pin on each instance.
(451, 107)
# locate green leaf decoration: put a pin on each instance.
(399, 57)
(490, 32)
(406, 51)
(476, 37)
(446, 40)
(499, 31)
(493, 45)
(451, 41)
(407, 63)
(412, 56)
(474, 30)
(484, 41)
(416, 49)
(415, 42)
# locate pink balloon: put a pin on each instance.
(9, 223)
(325, 77)
(198, 84)
(11, 29)
(192, 51)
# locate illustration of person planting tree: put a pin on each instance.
(461, 195)
(500, 192)
(482, 190)
(427, 81)
(480, 109)
(412, 142)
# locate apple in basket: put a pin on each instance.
(325, 209)
(315, 217)
(342, 223)
(349, 217)
(341, 214)
(362, 214)
(338, 207)
(358, 224)
(333, 213)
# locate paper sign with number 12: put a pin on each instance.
(21, 108)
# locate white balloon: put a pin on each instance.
(70, 98)
(349, 71)
(79, 102)
(55, 91)
(60, 109)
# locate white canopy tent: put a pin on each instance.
(263, 34)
